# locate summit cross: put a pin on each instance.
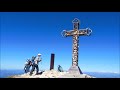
(75, 33)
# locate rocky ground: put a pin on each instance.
(51, 74)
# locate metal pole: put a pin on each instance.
(52, 61)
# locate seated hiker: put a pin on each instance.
(60, 69)
(27, 65)
(35, 62)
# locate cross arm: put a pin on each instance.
(67, 33)
(86, 31)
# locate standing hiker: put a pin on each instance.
(35, 63)
(27, 65)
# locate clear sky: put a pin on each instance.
(25, 34)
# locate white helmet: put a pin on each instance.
(39, 54)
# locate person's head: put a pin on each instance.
(39, 55)
(33, 58)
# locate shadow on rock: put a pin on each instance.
(40, 73)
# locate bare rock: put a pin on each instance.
(51, 74)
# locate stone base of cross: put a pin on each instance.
(75, 70)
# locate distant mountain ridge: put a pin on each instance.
(104, 74)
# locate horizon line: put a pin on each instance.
(67, 70)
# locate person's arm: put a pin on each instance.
(39, 59)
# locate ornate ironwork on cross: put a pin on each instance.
(75, 33)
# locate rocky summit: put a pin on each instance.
(51, 74)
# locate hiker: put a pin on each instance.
(27, 66)
(32, 60)
(60, 69)
(35, 62)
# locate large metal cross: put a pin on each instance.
(76, 32)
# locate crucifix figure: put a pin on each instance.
(75, 33)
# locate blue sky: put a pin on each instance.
(25, 34)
